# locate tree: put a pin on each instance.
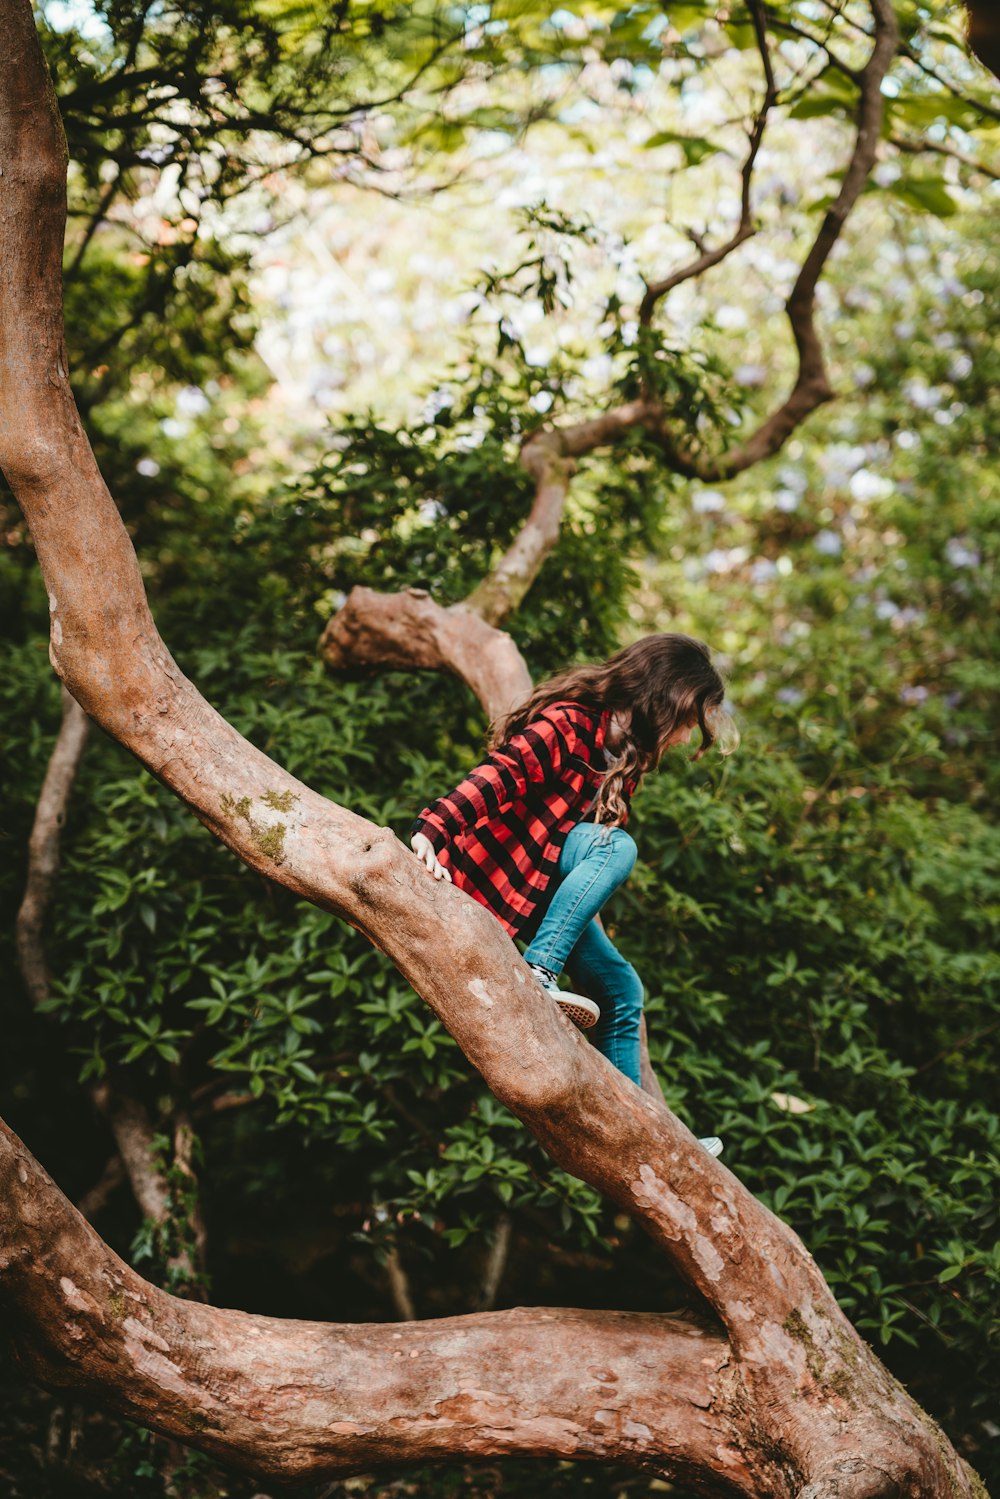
(761, 1409)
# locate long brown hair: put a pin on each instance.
(657, 685)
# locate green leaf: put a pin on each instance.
(684, 18)
(928, 194)
(695, 147)
(813, 109)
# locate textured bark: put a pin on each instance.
(298, 1399)
(788, 1396)
(408, 630)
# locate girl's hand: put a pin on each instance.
(424, 850)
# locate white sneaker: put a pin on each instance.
(582, 1011)
(712, 1144)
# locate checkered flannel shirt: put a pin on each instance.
(500, 831)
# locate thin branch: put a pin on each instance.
(128, 1119)
(990, 111)
(399, 1285)
(126, 82)
(96, 220)
(44, 848)
(778, 22)
(745, 228)
(917, 148)
(812, 387)
(496, 1263)
(96, 1198)
(959, 1045)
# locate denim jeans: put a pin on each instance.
(593, 863)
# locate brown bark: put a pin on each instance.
(304, 1399)
(409, 630)
(790, 1400)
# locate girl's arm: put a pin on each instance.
(536, 754)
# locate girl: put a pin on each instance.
(537, 832)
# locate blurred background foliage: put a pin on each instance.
(306, 362)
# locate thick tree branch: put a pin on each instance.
(409, 630)
(303, 1399)
(798, 1392)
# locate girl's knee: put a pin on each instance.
(624, 846)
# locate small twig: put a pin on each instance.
(916, 148)
(949, 1051)
(95, 1199)
(43, 847)
(399, 1285)
(496, 1263)
(745, 228)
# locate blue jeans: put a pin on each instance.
(593, 863)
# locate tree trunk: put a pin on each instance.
(777, 1396)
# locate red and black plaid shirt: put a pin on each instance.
(500, 832)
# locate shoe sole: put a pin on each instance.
(581, 1016)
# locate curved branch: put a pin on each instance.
(410, 629)
(291, 1399)
(548, 456)
(939, 148)
(380, 631)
